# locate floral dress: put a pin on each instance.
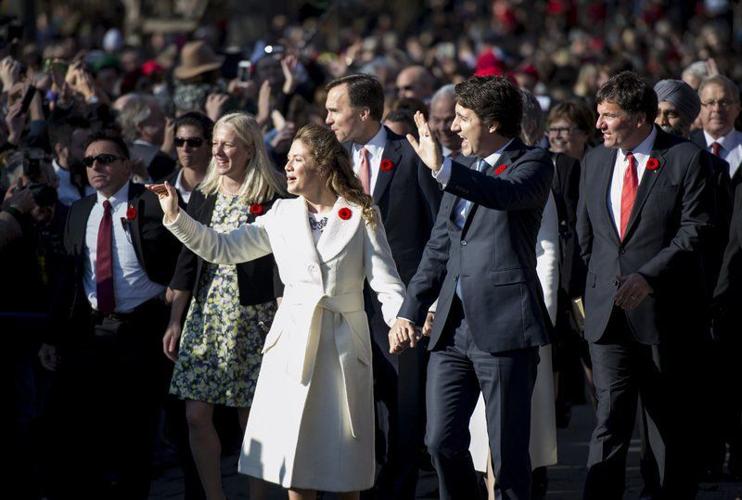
(220, 348)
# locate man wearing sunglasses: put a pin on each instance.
(109, 329)
(193, 146)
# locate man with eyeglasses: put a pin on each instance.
(109, 328)
(720, 107)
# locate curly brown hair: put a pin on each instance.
(334, 164)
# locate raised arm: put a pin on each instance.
(245, 243)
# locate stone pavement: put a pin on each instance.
(565, 479)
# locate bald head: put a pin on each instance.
(416, 82)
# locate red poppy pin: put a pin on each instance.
(344, 213)
(500, 169)
(386, 165)
(131, 213)
(257, 209)
(653, 164)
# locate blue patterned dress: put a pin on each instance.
(220, 348)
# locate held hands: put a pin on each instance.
(632, 290)
(427, 148)
(402, 335)
(428, 326)
(168, 199)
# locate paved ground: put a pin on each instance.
(566, 478)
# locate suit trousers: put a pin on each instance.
(457, 371)
(399, 392)
(630, 375)
(113, 386)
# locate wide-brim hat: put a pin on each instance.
(196, 58)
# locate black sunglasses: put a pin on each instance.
(103, 159)
(194, 142)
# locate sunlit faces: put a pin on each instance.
(669, 119)
(302, 173)
(190, 154)
(342, 118)
(719, 109)
(107, 177)
(565, 137)
(619, 128)
(230, 154)
(442, 114)
(476, 138)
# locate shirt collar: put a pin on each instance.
(494, 157)
(376, 143)
(120, 196)
(727, 141)
(644, 148)
(142, 142)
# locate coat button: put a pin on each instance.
(463, 243)
(621, 251)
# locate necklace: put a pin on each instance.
(317, 224)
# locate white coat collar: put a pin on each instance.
(342, 224)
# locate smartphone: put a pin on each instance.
(244, 70)
(27, 98)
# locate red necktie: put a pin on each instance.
(365, 172)
(715, 148)
(104, 263)
(628, 192)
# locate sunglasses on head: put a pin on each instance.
(194, 142)
(103, 159)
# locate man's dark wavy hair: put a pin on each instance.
(110, 137)
(630, 93)
(494, 100)
(363, 91)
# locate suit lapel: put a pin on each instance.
(508, 158)
(81, 224)
(297, 220)
(604, 184)
(135, 225)
(393, 153)
(339, 231)
(647, 183)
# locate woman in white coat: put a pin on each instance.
(311, 426)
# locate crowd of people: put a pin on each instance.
(365, 249)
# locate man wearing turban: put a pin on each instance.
(678, 106)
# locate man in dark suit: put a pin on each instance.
(720, 107)
(643, 210)
(408, 199)
(111, 324)
(728, 293)
(480, 262)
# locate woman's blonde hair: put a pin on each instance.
(262, 182)
(333, 163)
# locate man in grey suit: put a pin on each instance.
(643, 210)
(480, 263)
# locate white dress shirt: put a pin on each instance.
(375, 148)
(185, 195)
(731, 148)
(131, 286)
(641, 154)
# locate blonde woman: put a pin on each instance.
(311, 426)
(217, 355)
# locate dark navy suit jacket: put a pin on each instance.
(493, 255)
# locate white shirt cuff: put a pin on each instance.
(443, 175)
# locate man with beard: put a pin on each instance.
(67, 138)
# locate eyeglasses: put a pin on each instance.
(194, 142)
(560, 130)
(103, 159)
(723, 103)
